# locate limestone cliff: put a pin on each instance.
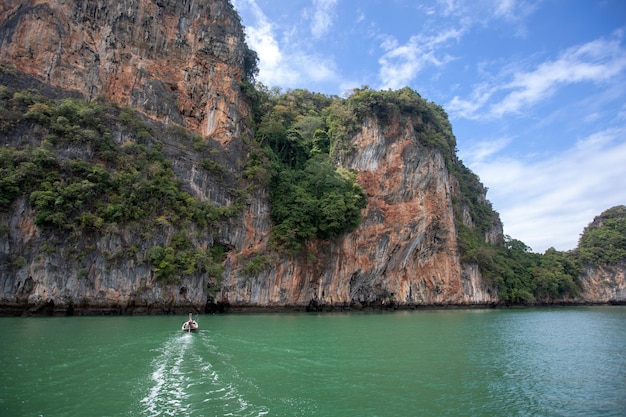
(405, 253)
(602, 249)
(181, 63)
(604, 284)
(177, 61)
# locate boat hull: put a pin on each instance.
(190, 326)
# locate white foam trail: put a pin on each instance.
(180, 390)
(168, 395)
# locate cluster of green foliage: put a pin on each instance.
(471, 197)
(524, 277)
(256, 263)
(182, 257)
(311, 199)
(603, 242)
(104, 184)
(316, 202)
(301, 132)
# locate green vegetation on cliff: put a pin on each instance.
(303, 132)
(81, 182)
(311, 198)
(92, 169)
(603, 242)
(525, 277)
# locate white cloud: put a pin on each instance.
(622, 113)
(594, 62)
(505, 8)
(260, 37)
(471, 108)
(482, 151)
(548, 202)
(485, 10)
(513, 10)
(282, 59)
(449, 6)
(323, 16)
(400, 64)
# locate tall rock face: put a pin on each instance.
(181, 62)
(604, 284)
(405, 253)
(178, 61)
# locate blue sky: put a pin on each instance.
(535, 89)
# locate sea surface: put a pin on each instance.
(526, 362)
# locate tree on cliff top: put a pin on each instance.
(603, 242)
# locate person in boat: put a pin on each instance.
(190, 324)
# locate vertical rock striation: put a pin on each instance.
(405, 252)
(177, 61)
(604, 284)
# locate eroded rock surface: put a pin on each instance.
(177, 61)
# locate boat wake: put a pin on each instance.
(185, 383)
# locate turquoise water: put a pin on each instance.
(531, 362)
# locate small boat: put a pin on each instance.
(190, 325)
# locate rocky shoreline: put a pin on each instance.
(50, 309)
